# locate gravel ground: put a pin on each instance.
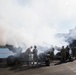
(54, 69)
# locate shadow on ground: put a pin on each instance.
(19, 68)
(59, 63)
(3, 65)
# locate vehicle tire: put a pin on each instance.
(10, 60)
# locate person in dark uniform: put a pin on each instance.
(63, 54)
(74, 52)
(67, 53)
(35, 55)
(52, 54)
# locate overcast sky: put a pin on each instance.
(36, 21)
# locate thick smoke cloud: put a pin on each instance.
(30, 22)
(71, 36)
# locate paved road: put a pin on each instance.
(61, 69)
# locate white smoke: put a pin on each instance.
(35, 22)
(71, 36)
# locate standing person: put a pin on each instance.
(74, 52)
(52, 54)
(28, 55)
(67, 53)
(63, 54)
(35, 55)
